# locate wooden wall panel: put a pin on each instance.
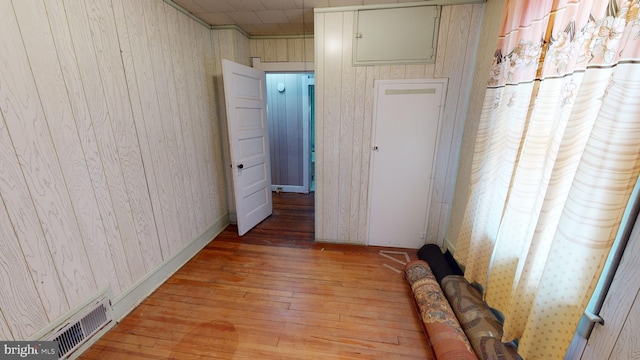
(18, 299)
(146, 117)
(28, 232)
(459, 55)
(203, 149)
(5, 333)
(342, 193)
(182, 116)
(178, 156)
(105, 38)
(328, 171)
(346, 137)
(27, 127)
(628, 346)
(162, 72)
(282, 50)
(481, 64)
(218, 188)
(49, 80)
(110, 159)
(97, 126)
(225, 47)
(82, 117)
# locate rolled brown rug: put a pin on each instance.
(484, 331)
(444, 333)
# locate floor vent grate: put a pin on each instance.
(82, 327)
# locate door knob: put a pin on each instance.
(240, 166)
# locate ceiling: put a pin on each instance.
(267, 17)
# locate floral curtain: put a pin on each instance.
(556, 157)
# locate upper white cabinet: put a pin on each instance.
(406, 35)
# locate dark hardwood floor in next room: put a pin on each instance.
(275, 294)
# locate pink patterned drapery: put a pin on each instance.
(556, 157)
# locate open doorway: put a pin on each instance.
(290, 99)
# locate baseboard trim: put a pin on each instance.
(132, 297)
(233, 218)
(449, 246)
(141, 289)
(341, 242)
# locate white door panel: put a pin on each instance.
(245, 95)
(406, 123)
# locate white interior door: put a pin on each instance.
(245, 94)
(406, 123)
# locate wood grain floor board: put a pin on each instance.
(274, 294)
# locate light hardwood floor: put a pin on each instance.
(275, 294)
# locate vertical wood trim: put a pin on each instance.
(443, 35)
(30, 136)
(346, 145)
(372, 74)
(357, 177)
(59, 119)
(319, 24)
(332, 109)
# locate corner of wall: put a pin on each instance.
(448, 245)
(491, 19)
(140, 290)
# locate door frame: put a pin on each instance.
(295, 67)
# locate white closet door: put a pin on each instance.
(406, 122)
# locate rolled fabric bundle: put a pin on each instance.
(482, 328)
(447, 339)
